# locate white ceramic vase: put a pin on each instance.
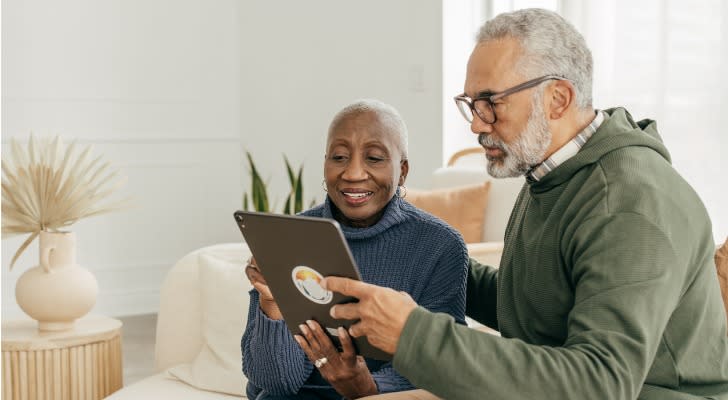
(58, 291)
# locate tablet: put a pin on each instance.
(294, 253)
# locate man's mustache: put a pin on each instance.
(489, 141)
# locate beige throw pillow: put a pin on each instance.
(462, 207)
(224, 293)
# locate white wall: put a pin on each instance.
(154, 85)
(173, 92)
(304, 60)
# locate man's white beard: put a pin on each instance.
(525, 152)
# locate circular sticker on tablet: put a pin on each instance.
(308, 282)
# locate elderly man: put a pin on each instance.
(606, 288)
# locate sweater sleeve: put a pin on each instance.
(625, 291)
(482, 294)
(272, 360)
(445, 288)
(444, 293)
(388, 380)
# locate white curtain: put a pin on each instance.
(666, 60)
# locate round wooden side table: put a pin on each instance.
(80, 363)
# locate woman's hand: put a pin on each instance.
(345, 371)
(267, 302)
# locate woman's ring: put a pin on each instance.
(320, 362)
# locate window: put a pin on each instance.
(663, 60)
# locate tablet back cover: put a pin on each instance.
(294, 253)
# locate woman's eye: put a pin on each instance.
(338, 158)
(374, 159)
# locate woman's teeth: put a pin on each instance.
(357, 195)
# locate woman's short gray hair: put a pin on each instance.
(551, 46)
(386, 113)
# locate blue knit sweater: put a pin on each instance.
(407, 250)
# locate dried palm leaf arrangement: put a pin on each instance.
(48, 186)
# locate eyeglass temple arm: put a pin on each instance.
(525, 85)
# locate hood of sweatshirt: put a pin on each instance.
(617, 131)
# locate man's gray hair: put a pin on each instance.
(551, 46)
(388, 115)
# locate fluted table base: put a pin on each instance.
(80, 364)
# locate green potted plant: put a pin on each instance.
(258, 196)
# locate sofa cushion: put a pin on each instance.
(486, 253)
(463, 207)
(721, 264)
(501, 196)
(163, 386)
(180, 291)
(224, 302)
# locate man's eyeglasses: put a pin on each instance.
(484, 106)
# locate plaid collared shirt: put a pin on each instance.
(567, 151)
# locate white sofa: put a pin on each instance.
(202, 310)
(204, 303)
(501, 197)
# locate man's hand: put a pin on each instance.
(267, 302)
(382, 312)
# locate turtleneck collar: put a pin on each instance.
(393, 215)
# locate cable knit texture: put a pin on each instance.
(408, 250)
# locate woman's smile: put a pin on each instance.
(356, 197)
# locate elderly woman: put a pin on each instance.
(394, 245)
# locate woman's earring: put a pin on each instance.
(323, 185)
(400, 190)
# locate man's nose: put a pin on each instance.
(478, 126)
(355, 171)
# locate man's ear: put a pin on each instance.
(403, 171)
(562, 95)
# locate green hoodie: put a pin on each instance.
(606, 290)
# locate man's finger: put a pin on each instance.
(356, 330)
(346, 286)
(345, 311)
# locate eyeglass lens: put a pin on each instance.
(481, 106)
